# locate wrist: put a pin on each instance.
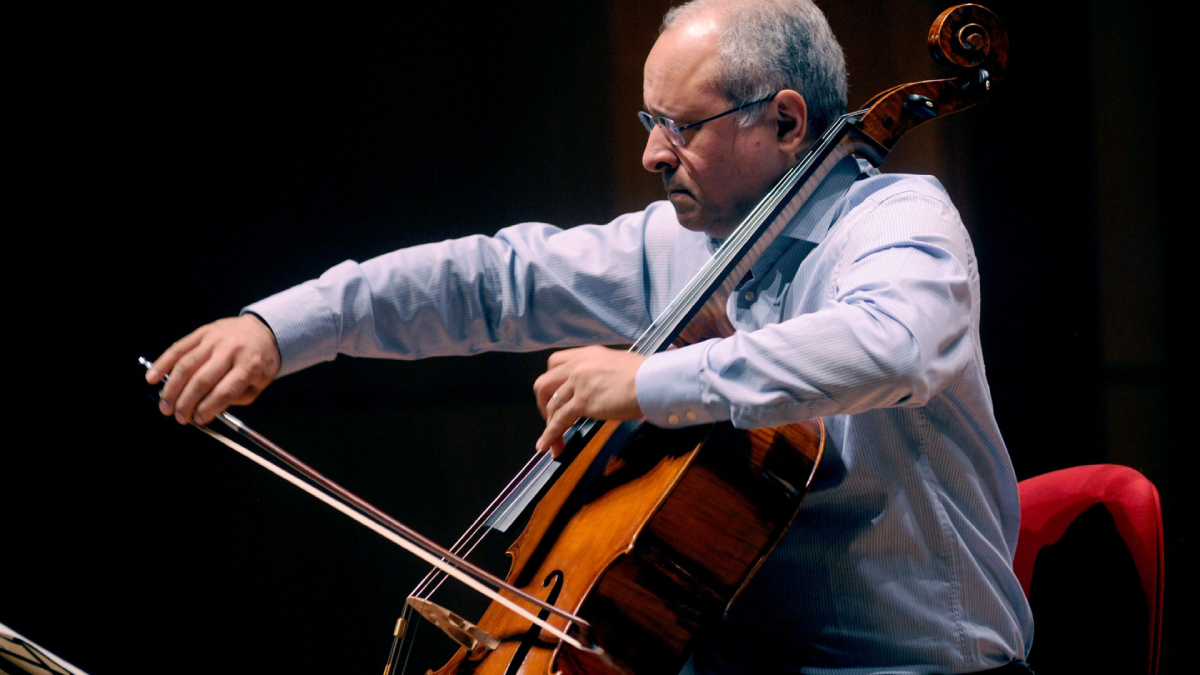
(268, 340)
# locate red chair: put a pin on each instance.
(1051, 502)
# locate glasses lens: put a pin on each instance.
(647, 120)
(673, 131)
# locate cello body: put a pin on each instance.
(656, 532)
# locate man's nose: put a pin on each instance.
(659, 154)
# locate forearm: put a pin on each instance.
(530, 287)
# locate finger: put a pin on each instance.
(562, 357)
(551, 438)
(561, 397)
(557, 425)
(231, 388)
(200, 385)
(247, 378)
(548, 383)
(166, 361)
(557, 446)
(185, 366)
(562, 423)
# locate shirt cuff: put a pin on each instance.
(669, 391)
(304, 326)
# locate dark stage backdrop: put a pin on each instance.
(180, 162)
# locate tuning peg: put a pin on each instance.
(977, 81)
(920, 106)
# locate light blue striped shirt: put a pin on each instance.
(864, 312)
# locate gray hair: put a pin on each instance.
(768, 46)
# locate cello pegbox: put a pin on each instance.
(966, 38)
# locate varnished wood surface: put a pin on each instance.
(669, 530)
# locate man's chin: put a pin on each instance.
(687, 212)
(693, 221)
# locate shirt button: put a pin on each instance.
(691, 415)
(749, 296)
(672, 419)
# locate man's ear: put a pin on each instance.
(791, 119)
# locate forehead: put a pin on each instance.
(682, 67)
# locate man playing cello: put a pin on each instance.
(864, 312)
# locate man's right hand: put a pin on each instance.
(228, 362)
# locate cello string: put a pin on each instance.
(500, 498)
(655, 336)
(483, 531)
(408, 654)
(491, 508)
(403, 645)
(398, 634)
(475, 535)
(407, 642)
(539, 462)
(645, 342)
(436, 578)
(651, 340)
(471, 537)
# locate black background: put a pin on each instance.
(175, 164)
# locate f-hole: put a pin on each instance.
(531, 636)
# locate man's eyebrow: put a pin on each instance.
(655, 113)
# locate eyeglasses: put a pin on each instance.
(675, 132)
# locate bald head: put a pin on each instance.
(764, 46)
(686, 55)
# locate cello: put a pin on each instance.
(648, 536)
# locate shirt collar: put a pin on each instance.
(817, 215)
(812, 222)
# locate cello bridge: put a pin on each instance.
(460, 630)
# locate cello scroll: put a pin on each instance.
(967, 37)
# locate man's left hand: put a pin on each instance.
(595, 382)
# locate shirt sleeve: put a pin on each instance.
(894, 330)
(530, 287)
